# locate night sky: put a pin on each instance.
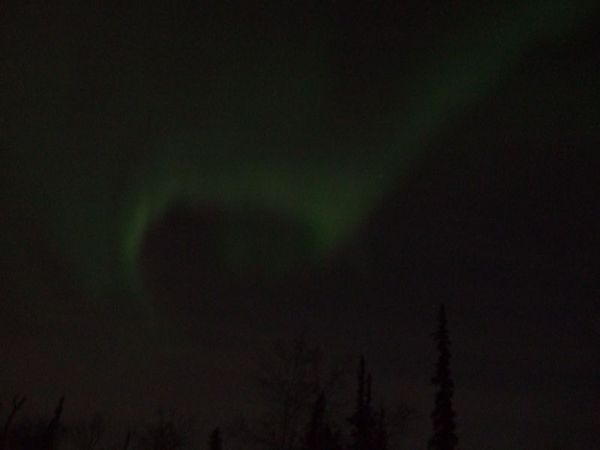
(181, 186)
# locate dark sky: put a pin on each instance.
(184, 185)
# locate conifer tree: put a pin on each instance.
(443, 415)
(362, 419)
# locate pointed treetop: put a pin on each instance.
(368, 393)
(443, 415)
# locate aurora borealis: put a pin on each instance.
(281, 133)
(259, 134)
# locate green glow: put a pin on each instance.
(332, 195)
(256, 152)
(330, 204)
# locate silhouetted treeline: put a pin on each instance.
(299, 413)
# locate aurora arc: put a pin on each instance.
(329, 185)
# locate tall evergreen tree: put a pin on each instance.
(362, 419)
(443, 415)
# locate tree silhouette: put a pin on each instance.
(319, 435)
(126, 441)
(54, 430)
(362, 419)
(214, 442)
(17, 403)
(380, 438)
(443, 415)
(89, 434)
(290, 381)
(166, 433)
(317, 420)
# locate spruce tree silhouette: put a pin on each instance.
(443, 415)
(362, 419)
(214, 442)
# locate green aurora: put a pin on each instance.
(253, 140)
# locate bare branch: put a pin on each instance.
(17, 403)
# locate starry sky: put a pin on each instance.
(183, 185)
